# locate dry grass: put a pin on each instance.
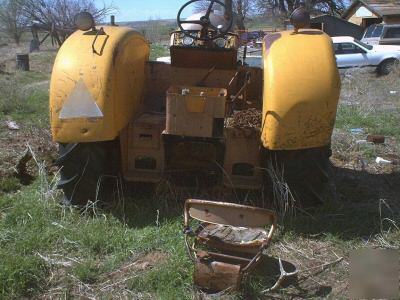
(370, 92)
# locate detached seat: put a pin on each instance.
(228, 243)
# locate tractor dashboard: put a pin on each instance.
(190, 40)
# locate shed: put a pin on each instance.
(367, 12)
(335, 26)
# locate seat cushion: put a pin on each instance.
(237, 236)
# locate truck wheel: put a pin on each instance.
(387, 66)
(307, 174)
(82, 166)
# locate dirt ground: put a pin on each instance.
(110, 284)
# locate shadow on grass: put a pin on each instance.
(266, 276)
(151, 204)
(364, 201)
(364, 204)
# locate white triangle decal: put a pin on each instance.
(80, 104)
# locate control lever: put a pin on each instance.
(244, 86)
(201, 82)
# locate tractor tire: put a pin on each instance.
(82, 167)
(387, 66)
(307, 176)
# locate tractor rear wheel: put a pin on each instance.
(83, 167)
(302, 178)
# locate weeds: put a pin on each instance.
(9, 184)
(10, 101)
(373, 121)
(284, 202)
(39, 237)
(19, 105)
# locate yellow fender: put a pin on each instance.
(97, 84)
(301, 90)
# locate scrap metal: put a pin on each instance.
(249, 118)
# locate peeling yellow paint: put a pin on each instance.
(301, 91)
(114, 75)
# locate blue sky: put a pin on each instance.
(139, 10)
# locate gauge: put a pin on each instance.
(187, 41)
(220, 43)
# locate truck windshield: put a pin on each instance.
(373, 31)
(369, 47)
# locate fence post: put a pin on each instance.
(23, 62)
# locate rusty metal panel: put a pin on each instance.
(230, 214)
(195, 111)
(216, 276)
(142, 145)
(203, 58)
(160, 77)
(242, 163)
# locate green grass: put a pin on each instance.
(372, 121)
(100, 242)
(263, 23)
(158, 50)
(30, 226)
(9, 184)
(20, 102)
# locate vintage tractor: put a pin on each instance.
(115, 112)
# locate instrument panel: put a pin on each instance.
(181, 39)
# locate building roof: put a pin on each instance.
(379, 7)
(321, 18)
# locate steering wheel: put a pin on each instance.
(205, 21)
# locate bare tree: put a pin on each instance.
(12, 20)
(285, 7)
(156, 30)
(241, 10)
(56, 17)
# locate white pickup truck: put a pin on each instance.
(354, 53)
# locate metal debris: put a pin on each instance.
(12, 125)
(376, 139)
(21, 167)
(356, 130)
(249, 118)
(380, 160)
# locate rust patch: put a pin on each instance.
(115, 55)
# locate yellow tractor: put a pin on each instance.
(204, 117)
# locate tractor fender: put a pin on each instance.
(301, 90)
(97, 84)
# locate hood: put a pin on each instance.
(386, 48)
(370, 41)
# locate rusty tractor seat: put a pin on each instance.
(228, 243)
(238, 239)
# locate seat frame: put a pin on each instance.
(229, 214)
